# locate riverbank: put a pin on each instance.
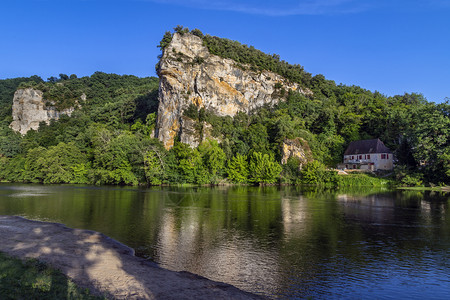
(424, 188)
(103, 265)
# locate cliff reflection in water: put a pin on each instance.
(215, 236)
(281, 242)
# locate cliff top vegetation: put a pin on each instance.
(244, 55)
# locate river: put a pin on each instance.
(281, 242)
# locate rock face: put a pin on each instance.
(189, 74)
(297, 148)
(193, 132)
(29, 109)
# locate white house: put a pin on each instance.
(367, 155)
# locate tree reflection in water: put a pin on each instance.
(277, 241)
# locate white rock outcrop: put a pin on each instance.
(29, 109)
(189, 74)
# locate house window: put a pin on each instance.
(354, 166)
(353, 157)
(368, 156)
(360, 157)
(346, 166)
(387, 156)
(383, 156)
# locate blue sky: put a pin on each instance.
(393, 46)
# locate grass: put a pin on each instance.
(32, 279)
(362, 179)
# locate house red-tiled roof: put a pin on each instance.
(366, 147)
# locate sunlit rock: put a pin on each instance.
(296, 148)
(30, 108)
(189, 74)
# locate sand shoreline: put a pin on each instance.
(103, 265)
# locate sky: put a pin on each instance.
(390, 46)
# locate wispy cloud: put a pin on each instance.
(280, 7)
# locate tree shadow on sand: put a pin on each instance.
(104, 266)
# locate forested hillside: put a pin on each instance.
(108, 140)
(94, 145)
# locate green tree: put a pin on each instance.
(32, 169)
(63, 76)
(112, 157)
(165, 41)
(154, 170)
(158, 162)
(238, 169)
(213, 156)
(12, 169)
(10, 142)
(291, 171)
(191, 165)
(194, 170)
(263, 168)
(257, 138)
(52, 79)
(63, 163)
(316, 173)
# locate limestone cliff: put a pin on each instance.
(30, 108)
(189, 74)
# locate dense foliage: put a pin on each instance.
(107, 140)
(103, 142)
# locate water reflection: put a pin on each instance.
(281, 242)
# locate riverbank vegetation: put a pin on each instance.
(107, 140)
(32, 279)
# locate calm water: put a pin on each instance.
(280, 242)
